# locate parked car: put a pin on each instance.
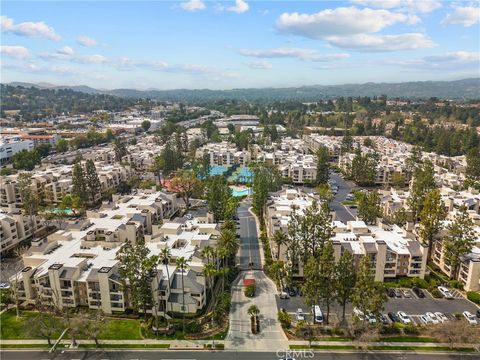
(299, 315)
(398, 293)
(441, 317)
(424, 319)
(383, 319)
(291, 292)
(404, 317)
(470, 318)
(284, 295)
(478, 313)
(350, 197)
(4, 286)
(407, 294)
(419, 292)
(317, 314)
(370, 318)
(391, 292)
(445, 292)
(392, 316)
(359, 314)
(433, 318)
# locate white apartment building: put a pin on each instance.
(392, 250)
(225, 154)
(10, 145)
(78, 266)
(16, 227)
(332, 143)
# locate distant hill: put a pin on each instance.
(459, 89)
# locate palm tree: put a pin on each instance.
(207, 253)
(209, 271)
(280, 238)
(229, 225)
(182, 265)
(253, 311)
(165, 259)
(229, 241)
(223, 272)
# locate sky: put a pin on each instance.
(201, 44)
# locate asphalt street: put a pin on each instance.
(342, 214)
(221, 355)
(249, 251)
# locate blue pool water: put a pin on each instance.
(217, 170)
(244, 175)
(66, 211)
(240, 193)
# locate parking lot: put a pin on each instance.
(413, 306)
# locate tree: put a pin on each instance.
(347, 143)
(92, 181)
(185, 183)
(26, 160)
(398, 180)
(369, 207)
(472, 172)
(266, 178)
(431, 217)
(459, 241)
(311, 276)
(455, 332)
(228, 241)
(363, 168)
(94, 324)
(323, 165)
(368, 295)
(345, 279)
(165, 257)
(219, 197)
(79, 188)
(280, 238)
(120, 150)
(61, 146)
(414, 160)
(423, 182)
(45, 325)
(44, 149)
(253, 312)
(181, 263)
(326, 286)
(30, 199)
(146, 125)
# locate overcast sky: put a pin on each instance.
(222, 45)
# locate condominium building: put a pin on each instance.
(79, 267)
(16, 227)
(392, 250)
(225, 154)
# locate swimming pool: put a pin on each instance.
(65, 211)
(240, 193)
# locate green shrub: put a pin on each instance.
(456, 284)
(285, 319)
(411, 329)
(192, 327)
(250, 290)
(436, 293)
(390, 330)
(474, 297)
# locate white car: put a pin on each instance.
(433, 318)
(299, 315)
(470, 318)
(425, 319)
(404, 317)
(359, 314)
(441, 317)
(370, 318)
(445, 292)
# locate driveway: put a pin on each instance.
(271, 336)
(342, 213)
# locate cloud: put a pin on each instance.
(342, 21)
(420, 6)
(17, 52)
(29, 29)
(300, 53)
(240, 7)
(258, 65)
(86, 41)
(380, 43)
(66, 50)
(441, 61)
(193, 5)
(90, 59)
(465, 16)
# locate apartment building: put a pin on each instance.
(469, 273)
(225, 154)
(10, 145)
(50, 139)
(78, 266)
(392, 250)
(16, 227)
(315, 141)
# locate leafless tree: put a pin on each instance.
(455, 332)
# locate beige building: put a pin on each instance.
(16, 227)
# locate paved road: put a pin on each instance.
(342, 214)
(271, 336)
(231, 355)
(249, 251)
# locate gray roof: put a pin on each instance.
(369, 247)
(189, 281)
(414, 248)
(178, 298)
(67, 273)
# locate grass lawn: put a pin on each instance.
(349, 202)
(333, 338)
(323, 347)
(121, 329)
(25, 346)
(16, 328)
(421, 348)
